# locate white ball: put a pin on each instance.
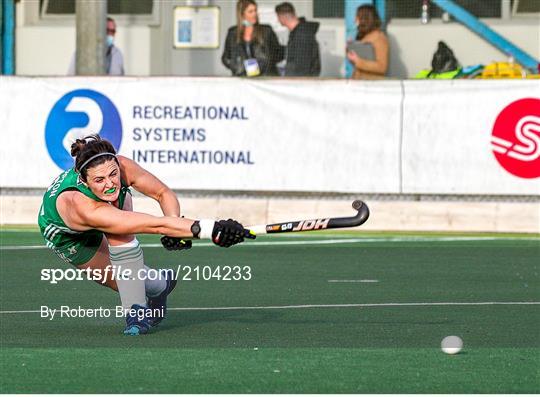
(451, 345)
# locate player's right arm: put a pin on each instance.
(82, 213)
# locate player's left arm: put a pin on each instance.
(149, 185)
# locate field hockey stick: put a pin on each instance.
(314, 224)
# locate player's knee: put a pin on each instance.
(119, 239)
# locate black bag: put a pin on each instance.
(443, 59)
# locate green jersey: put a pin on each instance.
(72, 246)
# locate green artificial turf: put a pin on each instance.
(272, 370)
(268, 342)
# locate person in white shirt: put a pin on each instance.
(114, 59)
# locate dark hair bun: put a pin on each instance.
(77, 146)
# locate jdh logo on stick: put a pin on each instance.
(312, 224)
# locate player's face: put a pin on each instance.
(104, 180)
(250, 14)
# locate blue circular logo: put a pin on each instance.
(77, 114)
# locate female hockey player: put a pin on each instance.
(87, 218)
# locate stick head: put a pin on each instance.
(357, 204)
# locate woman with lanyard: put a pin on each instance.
(251, 49)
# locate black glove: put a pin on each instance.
(175, 243)
(229, 232)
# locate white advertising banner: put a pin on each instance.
(471, 137)
(209, 134)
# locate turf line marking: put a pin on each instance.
(353, 281)
(322, 306)
(317, 242)
(340, 305)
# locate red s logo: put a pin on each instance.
(515, 140)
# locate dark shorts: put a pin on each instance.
(80, 250)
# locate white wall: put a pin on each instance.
(45, 47)
(443, 216)
(413, 44)
(47, 50)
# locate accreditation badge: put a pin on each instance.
(252, 67)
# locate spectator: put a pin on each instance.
(114, 60)
(369, 31)
(302, 52)
(251, 49)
